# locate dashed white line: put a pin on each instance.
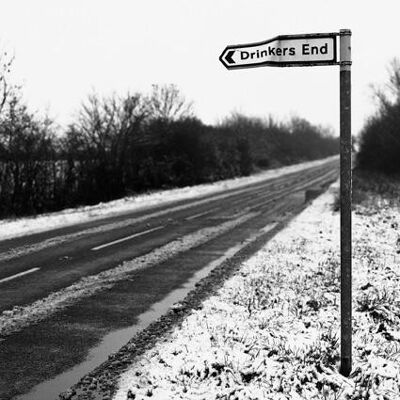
(89, 285)
(124, 239)
(200, 214)
(269, 227)
(9, 278)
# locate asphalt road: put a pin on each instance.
(167, 244)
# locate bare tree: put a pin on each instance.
(27, 156)
(379, 143)
(389, 93)
(104, 141)
(394, 79)
(106, 123)
(166, 102)
(5, 87)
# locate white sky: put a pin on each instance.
(66, 48)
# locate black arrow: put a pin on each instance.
(229, 58)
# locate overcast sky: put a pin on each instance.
(66, 48)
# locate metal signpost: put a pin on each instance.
(306, 51)
(345, 202)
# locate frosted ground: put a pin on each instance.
(272, 331)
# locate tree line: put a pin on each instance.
(380, 137)
(122, 145)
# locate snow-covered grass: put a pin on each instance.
(22, 226)
(272, 331)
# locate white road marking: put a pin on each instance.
(266, 200)
(269, 227)
(9, 278)
(200, 214)
(124, 239)
(55, 241)
(89, 285)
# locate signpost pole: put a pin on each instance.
(345, 203)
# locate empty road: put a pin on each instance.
(63, 290)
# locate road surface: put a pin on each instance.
(63, 290)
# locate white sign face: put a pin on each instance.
(283, 51)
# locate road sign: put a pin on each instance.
(305, 51)
(283, 51)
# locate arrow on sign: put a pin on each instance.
(229, 58)
(283, 51)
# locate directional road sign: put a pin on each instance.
(283, 51)
(304, 51)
